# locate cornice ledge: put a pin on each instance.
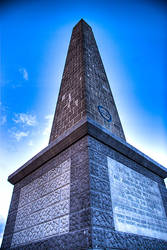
(85, 127)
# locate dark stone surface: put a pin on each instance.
(84, 86)
(104, 236)
(109, 239)
(80, 212)
(103, 135)
(81, 129)
(57, 146)
(79, 132)
(98, 150)
(163, 192)
(71, 100)
(97, 88)
(10, 223)
(71, 241)
(91, 217)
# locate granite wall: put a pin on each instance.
(51, 209)
(84, 87)
(98, 93)
(104, 233)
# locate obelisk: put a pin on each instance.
(89, 188)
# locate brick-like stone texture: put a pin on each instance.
(98, 92)
(84, 86)
(104, 234)
(71, 100)
(41, 215)
(137, 203)
(43, 208)
(91, 217)
(57, 207)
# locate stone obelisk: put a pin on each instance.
(89, 188)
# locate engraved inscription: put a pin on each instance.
(136, 201)
(44, 206)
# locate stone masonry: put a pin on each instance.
(89, 188)
(84, 87)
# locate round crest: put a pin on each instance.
(105, 113)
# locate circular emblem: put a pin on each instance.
(105, 113)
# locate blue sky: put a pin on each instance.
(132, 38)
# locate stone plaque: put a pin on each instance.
(105, 113)
(136, 201)
(44, 205)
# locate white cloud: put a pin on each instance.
(3, 120)
(30, 143)
(24, 73)
(19, 134)
(2, 107)
(25, 119)
(49, 120)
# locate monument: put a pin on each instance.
(88, 189)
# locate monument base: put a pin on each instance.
(88, 190)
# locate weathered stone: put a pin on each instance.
(88, 189)
(139, 197)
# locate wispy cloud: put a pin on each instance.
(30, 143)
(18, 135)
(25, 119)
(2, 107)
(49, 120)
(24, 73)
(3, 120)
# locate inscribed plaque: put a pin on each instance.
(136, 201)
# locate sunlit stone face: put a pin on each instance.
(136, 201)
(44, 204)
